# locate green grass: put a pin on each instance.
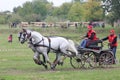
(16, 61)
(67, 75)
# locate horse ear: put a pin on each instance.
(24, 30)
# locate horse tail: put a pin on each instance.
(72, 47)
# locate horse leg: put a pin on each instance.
(65, 54)
(55, 59)
(58, 58)
(37, 60)
(46, 58)
(44, 61)
(62, 60)
(36, 56)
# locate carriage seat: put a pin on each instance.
(97, 44)
(94, 47)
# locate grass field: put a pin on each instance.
(16, 61)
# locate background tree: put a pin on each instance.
(50, 9)
(16, 18)
(78, 1)
(112, 7)
(39, 7)
(31, 10)
(5, 17)
(110, 19)
(76, 12)
(93, 10)
(2, 18)
(24, 11)
(42, 10)
(62, 11)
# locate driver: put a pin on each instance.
(90, 36)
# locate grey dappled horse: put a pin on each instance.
(43, 45)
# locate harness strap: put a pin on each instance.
(37, 44)
(49, 44)
(49, 47)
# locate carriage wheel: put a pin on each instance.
(106, 59)
(88, 60)
(76, 62)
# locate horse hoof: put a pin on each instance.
(60, 63)
(46, 67)
(53, 66)
(39, 63)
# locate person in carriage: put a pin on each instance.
(89, 37)
(112, 38)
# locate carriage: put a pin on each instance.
(88, 57)
(93, 56)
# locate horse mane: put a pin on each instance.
(28, 30)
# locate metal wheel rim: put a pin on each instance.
(106, 59)
(75, 62)
(88, 60)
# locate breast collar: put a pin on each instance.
(42, 45)
(38, 43)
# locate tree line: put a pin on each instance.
(76, 10)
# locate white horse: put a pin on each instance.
(43, 45)
(22, 38)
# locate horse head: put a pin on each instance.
(28, 35)
(27, 32)
(22, 37)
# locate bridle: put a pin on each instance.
(38, 44)
(22, 36)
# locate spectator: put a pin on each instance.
(10, 38)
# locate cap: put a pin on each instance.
(112, 31)
(89, 26)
